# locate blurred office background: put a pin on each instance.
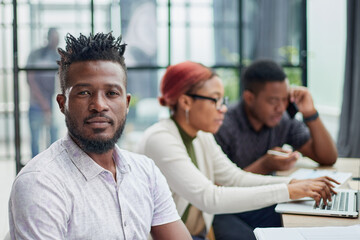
(307, 37)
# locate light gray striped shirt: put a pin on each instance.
(63, 194)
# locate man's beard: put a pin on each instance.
(96, 146)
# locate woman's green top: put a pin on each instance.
(187, 140)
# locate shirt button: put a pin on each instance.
(125, 223)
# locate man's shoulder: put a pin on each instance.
(36, 53)
(43, 174)
(45, 157)
(49, 162)
(235, 113)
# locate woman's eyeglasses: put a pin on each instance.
(219, 102)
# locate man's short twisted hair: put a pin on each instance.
(260, 72)
(95, 47)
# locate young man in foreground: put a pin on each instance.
(84, 186)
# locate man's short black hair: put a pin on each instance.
(95, 47)
(260, 72)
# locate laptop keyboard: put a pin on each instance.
(340, 202)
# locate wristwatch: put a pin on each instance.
(311, 118)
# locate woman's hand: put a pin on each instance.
(316, 188)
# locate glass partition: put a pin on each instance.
(224, 35)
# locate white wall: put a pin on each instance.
(326, 57)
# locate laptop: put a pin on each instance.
(344, 204)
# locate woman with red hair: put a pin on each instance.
(203, 180)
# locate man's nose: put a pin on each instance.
(281, 107)
(98, 103)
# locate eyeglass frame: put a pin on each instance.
(224, 99)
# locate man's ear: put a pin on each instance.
(61, 99)
(248, 97)
(128, 99)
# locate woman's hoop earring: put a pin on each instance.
(187, 115)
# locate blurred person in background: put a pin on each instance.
(203, 180)
(264, 120)
(42, 88)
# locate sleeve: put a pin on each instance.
(187, 181)
(164, 206)
(298, 134)
(37, 209)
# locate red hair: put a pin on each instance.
(180, 79)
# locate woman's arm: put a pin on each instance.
(186, 180)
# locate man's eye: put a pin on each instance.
(274, 102)
(84, 93)
(113, 93)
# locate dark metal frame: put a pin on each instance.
(16, 90)
(303, 43)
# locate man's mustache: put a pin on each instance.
(94, 115)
